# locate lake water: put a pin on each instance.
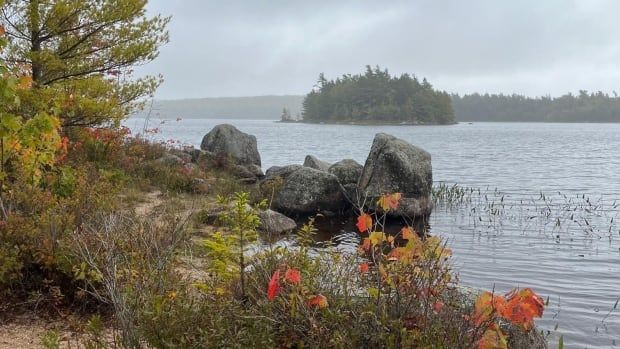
(545, 216)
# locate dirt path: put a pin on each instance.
(27, 331)
(151, 201)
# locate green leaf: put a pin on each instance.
(373, 292)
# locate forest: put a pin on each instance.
(377, 97)
(584, 107)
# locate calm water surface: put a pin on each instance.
(545, 216)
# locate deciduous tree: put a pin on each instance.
(80, 55)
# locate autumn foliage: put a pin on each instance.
(409, 263)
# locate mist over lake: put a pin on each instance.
(545, 215)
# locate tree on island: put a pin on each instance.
(584, 107)
(286, 115)
(377, 97)
(80, 54)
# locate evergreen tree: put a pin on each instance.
(586, 107)
(286, 115)
(376, 96)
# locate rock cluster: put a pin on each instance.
(392, 166)
(317, 186)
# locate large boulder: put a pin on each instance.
(274, 178)
(307, 191)
(348, 173)
(280, 171)
(315, 163)
(394, 165)
(273, 222)
(228, 140)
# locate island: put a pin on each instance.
(376, 97)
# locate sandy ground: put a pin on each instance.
(27, 331)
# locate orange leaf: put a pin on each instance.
(273, 288)
(293, 276)
(397, 253)
(318, 301)
(25, 82)
(364, 268)
(390, 240)
(493, 338)
(487, 306)
(383, 273)
(522, 307)
(2, 31)
(364, 222)
(407, 233)
(389, 201)
(366, 244)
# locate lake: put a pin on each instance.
(543, 213)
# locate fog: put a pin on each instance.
(247, 48)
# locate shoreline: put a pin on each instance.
(370, 123)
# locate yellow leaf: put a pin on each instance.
(389, 201)
(25, 82)
(376, 237)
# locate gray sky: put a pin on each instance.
(253, 47)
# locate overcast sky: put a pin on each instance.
(248, 48)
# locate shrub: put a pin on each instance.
(398, 291)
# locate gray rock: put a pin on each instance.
(394, 165)
(200, 186)
(274, 178)
(190, 167)
(200, 156)
(307, 191)
(281, 171)
(255, 170)
(242, 172)
(182, 154)
(273, 222)
(229, 141)
(194, 153)
(170, 160)
(348, 171)
(313, 162)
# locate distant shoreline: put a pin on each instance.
(364, 123)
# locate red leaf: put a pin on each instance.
(364, 268)
(437, 307)
(273, 288)
(293, 276)
(364, 222)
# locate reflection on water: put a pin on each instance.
(551, 225)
